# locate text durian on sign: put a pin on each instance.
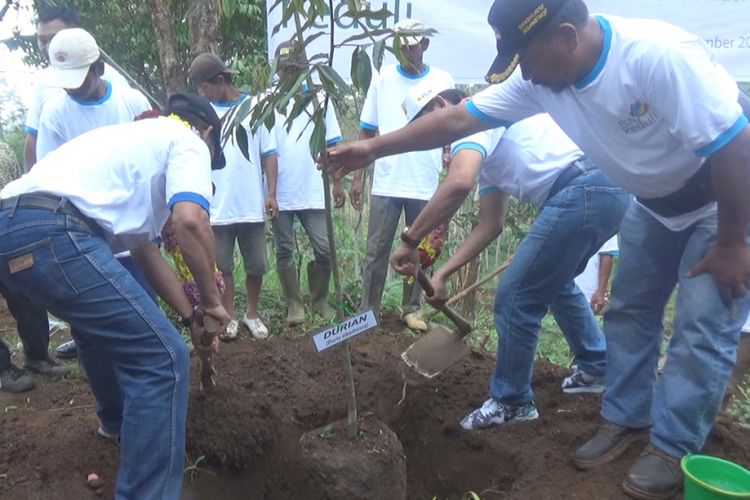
(352, 326)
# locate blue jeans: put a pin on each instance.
(572, 225)
(681, 407)
(127, 345)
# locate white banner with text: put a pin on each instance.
(465, 43)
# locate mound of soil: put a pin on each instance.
(372, 465)
(271, 393)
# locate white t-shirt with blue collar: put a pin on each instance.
(126, 177)
(43, 93)
(300, 184)
(239, 196)
(652, 109)
(413, 175)
(65, 117)
(523, 160)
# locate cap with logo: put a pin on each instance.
(421, 95)
(191, 106)
(287, 54)
(517, 22)
(409, 27)
(206, 66)
(71, 53)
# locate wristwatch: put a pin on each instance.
(411, 242)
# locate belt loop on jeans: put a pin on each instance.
(63, 201)
(13, 208)
(577, 167)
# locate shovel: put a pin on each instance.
(440, 347)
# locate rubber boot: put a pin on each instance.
(318, 279)
(295, 309)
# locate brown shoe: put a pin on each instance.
(608, 442)
(655, 475)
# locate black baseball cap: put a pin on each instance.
(518, 22)
(191, 107)
(206, 66)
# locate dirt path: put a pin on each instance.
(271, 392)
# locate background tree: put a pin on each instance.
(154, 41)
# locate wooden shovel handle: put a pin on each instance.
(466, 291)
(463, 326)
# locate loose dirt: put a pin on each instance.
(244, 437)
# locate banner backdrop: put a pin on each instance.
(465, 43)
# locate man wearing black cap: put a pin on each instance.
(648, 103)
(107, 191)
(239, 207)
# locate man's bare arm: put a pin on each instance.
(429, 132)
(729, 259)
(29, 152)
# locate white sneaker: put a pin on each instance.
(580, 381)
(256, 327)
(231, 332)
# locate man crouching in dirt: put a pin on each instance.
(104, 192)
(580, 209)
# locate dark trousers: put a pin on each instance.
(33, 328)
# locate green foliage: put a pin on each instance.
(124, 31)
(16, 139)
(739, 407)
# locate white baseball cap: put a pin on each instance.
(71, 53)
(410, 26)
(421, 94)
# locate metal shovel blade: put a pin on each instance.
(435, 351)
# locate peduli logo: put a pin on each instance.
(61, 56)
(638, 109)
(641, 117)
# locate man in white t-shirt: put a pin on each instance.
(59, 227)
(594, 280)
(51, 20)
(399, 183)
(238, 213)
(649, 104)
(89, 101)
(300, 193)
(580, 208)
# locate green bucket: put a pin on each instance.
(711, 478)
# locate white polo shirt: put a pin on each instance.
(412, 175)
(239, 186)
(65, 117)
(126, 177)
(43, 93)
(588, 280)
(652, 109)
(523, 160)
(300, 184)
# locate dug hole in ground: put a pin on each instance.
(265, 432)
